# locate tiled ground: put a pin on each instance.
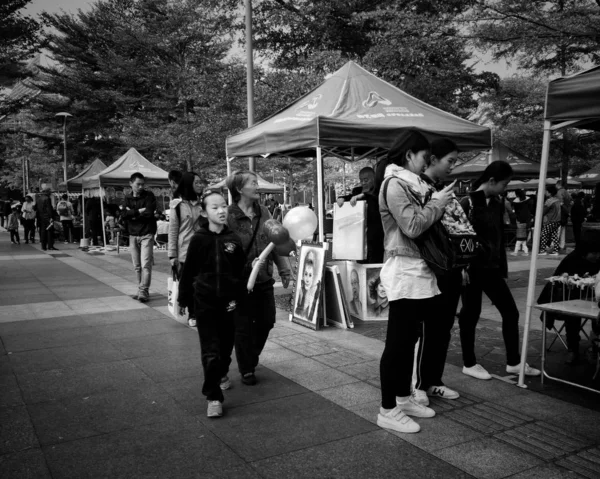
(94, 384)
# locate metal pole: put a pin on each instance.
(102, 210)
(65, 150)
(535, 249)
(250, 74)
(229, 197)
(320, 207)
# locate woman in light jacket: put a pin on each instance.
(408, 208)
(184, 221)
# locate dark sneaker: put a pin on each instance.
(572, 358)
(143, 297)
(225, 383)
(249, 379)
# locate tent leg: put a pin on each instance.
(229, 197)
(83, 235)
(102, 212)
(320, 199)
(535, 248)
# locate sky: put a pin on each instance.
(37, 6)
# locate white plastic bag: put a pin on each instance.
(178, 313)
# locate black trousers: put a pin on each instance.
(577, 232)
(396, 366)
(436, 331)
(14, 236)
(96, 229)
(254, 321)
(216, 330)
(46, 235)
(29, 227)
(67, 229)
(490, 282)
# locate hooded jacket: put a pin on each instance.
(184, 221)
(213, 270)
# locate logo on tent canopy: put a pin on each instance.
(375, 99)
(135, 165)
(310, 104)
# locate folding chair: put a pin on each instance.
(558, 333)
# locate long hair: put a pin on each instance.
(185, 188)
(499, 170)
(408, 140)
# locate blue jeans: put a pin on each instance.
(142, 256)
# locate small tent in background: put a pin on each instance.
(93, 169)
(590, 178)
(263, 186)
(523, 167)
(533, 184)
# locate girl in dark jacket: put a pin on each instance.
(210, 287)
(487, 274)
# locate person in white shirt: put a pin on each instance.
(65, 209)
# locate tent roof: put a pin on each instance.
(120, 171)
(352, 113)
(590, 177)
(93, 169)
(575, 98)
(263, 186)
(523, 167)
(533, 184)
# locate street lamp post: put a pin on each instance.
(64, 115)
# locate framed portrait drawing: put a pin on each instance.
(366, 298)
(309, 285)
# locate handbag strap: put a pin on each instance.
(255, 231)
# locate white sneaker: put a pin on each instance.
(396, 420)
(477, 371)
(192, 323)
(514, 254)
(442, 392)
(225, 383)
(529, 371)
(413, 408)
(420, 396)
(215, 409)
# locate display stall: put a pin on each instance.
(590, 178)
(264, 187)
(534, 184)
(118, 174)
(571, 102)
(523, 167)
(351, 116)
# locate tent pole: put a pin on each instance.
(535, 249)
(229, 197)
(83, 236)
(102, 212)
(320, 199)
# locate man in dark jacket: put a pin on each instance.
(45, 218)
(138, 210)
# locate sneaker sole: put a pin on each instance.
(477, 377)
(425, 415)
(214, 416)
(385, 423)
(225, 387)
(444, 397)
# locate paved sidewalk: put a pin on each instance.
(95, 384)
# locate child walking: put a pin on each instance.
(211, 284)
(13, 224)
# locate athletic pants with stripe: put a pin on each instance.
(436, 331)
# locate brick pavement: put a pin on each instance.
(94, 384)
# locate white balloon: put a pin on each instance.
(301, 223)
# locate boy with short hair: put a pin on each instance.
(13, 224)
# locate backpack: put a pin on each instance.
(442, 250)
(63, 208)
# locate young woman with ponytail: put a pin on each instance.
(488, 273)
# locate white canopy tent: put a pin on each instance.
(573, 102)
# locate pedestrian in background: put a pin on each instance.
(256, 316)
(12, 224)
(565, 210)
(28, 211)
(184, 221)
(45, 218)
(138, 210)
(65, 211)
(487, 274)
(212, 283)
(523, 216)
(578, 214)
(550, 238)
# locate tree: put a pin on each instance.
(143, 72)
